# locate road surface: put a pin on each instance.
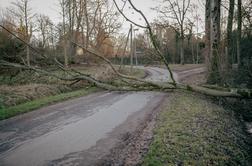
(80, 131)
(77, 132)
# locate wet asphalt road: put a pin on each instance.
(76, 132)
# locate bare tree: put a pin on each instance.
(144, 84)
(239, 29)
(63, 14)
(106, 24)
(176, 11)
(229, 33)
(247, 17)
(22, 12)
(44, 28)
(196, 18)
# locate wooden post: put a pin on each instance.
(124, 50)
(131, 46)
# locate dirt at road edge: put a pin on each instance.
(134, 146)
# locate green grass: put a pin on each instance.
(9, 112)
(193, 131)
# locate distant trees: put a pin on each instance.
(182, 20)
(44, 28)
(10, 48)
(89, 23)
(246, 15)
(168, 38)
(176, 11)
(23, 14)
(104, 25)
(92, 24)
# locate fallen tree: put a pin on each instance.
(129, 83)
(135, 84)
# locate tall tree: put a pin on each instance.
(44, 28)
(22, 12)
(197, 18)
(63, 14)
(229, 34)
(207, 35)
(239, 29)
(213, 39)
(176, 10)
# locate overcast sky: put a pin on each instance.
(51, 9)
(47, 7)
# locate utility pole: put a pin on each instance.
(135, 54)
(125, 47)
(131, 46)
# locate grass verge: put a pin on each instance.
(194, 131)
(23, 97)
(9, 112)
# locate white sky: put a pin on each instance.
(47, 7)
(51, 9)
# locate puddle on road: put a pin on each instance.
(80, 135)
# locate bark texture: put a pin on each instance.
(213, 37)
(239, 29)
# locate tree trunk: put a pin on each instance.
(182, 56)
(193, 55)
(239, 29)
(87, 31)
(197, 51)
(229, 34)
(177, 51)
(214, 56)
(71, 18)
(131, 46)
(207, 39)
(28, 56)
(27, 32)
(182, 40)
(64, 33)
(197, 42)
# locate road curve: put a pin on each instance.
(79, 131)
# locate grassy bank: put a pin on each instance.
(22, 97)
(21, 89)
(193, 131)
(6, 113)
